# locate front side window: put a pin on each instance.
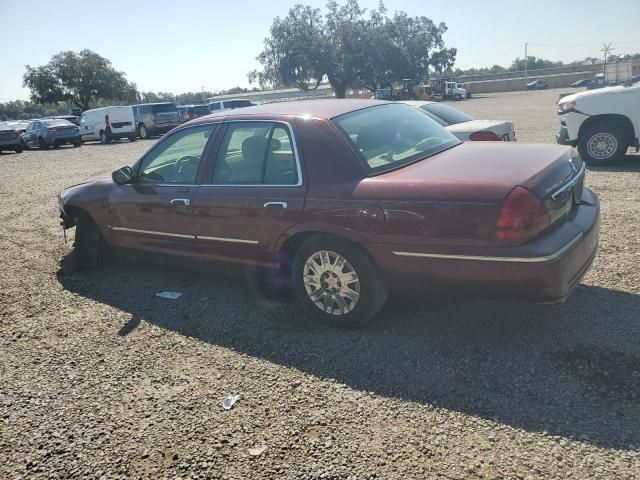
(389, 136)
(176, 158)
(256, 153)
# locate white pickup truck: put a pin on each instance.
(602, 123)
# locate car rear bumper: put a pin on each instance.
(545, 270)
(64, 140)
(12, 144)
(161, 129)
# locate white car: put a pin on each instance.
(465, 127)
(108, 123)
(602, 123)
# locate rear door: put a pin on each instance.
(155, 212)
(252, 195)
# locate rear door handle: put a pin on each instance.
(180, 201)
(281, 205)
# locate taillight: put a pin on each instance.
(106, 121)
(522, 216)
(17, 132)
(486, 136)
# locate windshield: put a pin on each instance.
(447, 114)
(163, 107)
(389, 136)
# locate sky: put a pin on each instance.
(190, 45)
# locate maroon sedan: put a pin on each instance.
(352, 198)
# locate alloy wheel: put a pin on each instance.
(331, 282)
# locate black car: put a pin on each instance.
(580, 83)
(69, 118)
(537, 85)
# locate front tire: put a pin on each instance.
(602, 143)
(42, 144)
(89, 245)
(337, 282)
(17, 150)
(457, 97)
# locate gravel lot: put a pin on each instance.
(100, 379)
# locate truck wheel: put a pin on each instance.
(143, 132)
(337, 282)
(602, 143)
(457, 97)
(89, 245)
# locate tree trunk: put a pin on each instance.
(341, 91)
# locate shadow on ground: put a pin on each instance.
(571, 370)
(630, 163)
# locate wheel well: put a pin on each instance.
(291, 245)
(620, 121)
(72, 213)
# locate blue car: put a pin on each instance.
(52, 133)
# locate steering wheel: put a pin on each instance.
(183, 164)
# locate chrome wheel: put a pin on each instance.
(602, 146)
(331, 282)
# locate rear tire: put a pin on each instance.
(76, 144)
(104, 137)
(143, 132)
(17, 150)
(602, 143)
(337, 282)
(89, 245)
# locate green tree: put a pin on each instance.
(350, 49)
(82, 79)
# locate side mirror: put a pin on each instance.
(123, 175)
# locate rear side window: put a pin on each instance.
(447, 114)
(259, 153)
(164, 107)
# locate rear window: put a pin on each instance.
(57, 123)
(447, 114)
(164, 107)
(201, 109)
(389, 136)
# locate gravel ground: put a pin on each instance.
(100, 379)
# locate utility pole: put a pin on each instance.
(526, 62)
(606, 49)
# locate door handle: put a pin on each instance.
(281, 205)
(177, 201)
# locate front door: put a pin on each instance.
(155, 212)
(253, 194)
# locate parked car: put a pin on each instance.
(20, 125)
(537, 85)
(156, 118)
(51, 133)
(581, 83)
(465, 127)
(189, 112)
(11, 136)
(70, 118)
(108, 123)
(602, 123)
(353, 199)
(229, 105)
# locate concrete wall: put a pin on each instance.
(515, 84)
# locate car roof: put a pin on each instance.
(322, 108)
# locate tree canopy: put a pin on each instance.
(81, 79)
(350, 49)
